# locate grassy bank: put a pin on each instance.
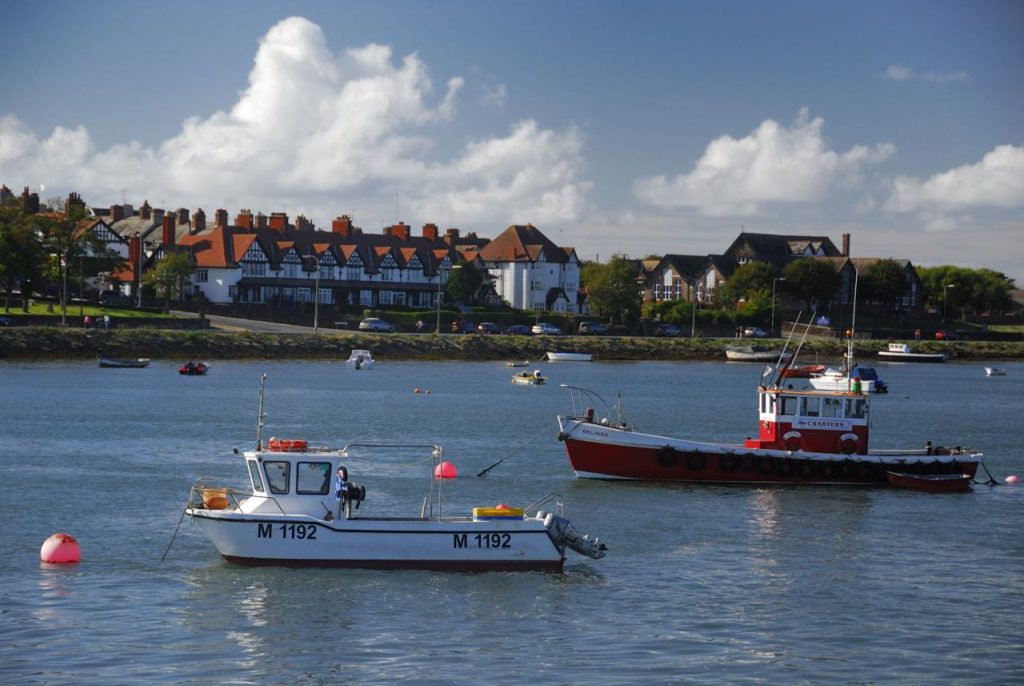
(28, 343)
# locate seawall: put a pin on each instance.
(28, 343)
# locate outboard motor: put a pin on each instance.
(564, 534)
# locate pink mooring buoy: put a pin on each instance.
(445, 470)
(60, 548)
(1012, 479)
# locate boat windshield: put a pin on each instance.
(278, 474)
(254, 475)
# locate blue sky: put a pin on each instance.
(630, 127)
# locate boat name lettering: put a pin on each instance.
(302, 532)
(804, 423)
(591, 432)
(494, 540)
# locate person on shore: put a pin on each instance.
(106, 322)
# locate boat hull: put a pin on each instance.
(935, 483)
(911, 357)
(381, 543)
(604, 452)
(569, 357)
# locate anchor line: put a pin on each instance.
(180, 519)
(513, 451)
(991, 480)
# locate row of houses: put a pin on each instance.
(695, 278)
(271, 259)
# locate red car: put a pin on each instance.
(945, 335)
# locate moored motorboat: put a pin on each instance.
(563, 356)
(859, 380)
(115, 362)
(802, 371)
(753, 353)
(804, 437)
(933, 483)
(518, 363)
(360, 359)
(994, 371)
(290, 515)
(534, 378)
(193, 368)
(902, 352)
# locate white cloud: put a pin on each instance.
(322, 133)
(494, 95)
(897, 73)
(997, 181)
(773, 164)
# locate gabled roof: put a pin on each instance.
(778, 248)
(520, 243)
(687, 266)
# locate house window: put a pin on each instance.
(326, 272)
(388, 274)
(325, 296)
(200, 276)
(353, 273)
(254, 268)
(302, 295)
(536, 286)
(365, 297)
(386, 297)
(291, 271)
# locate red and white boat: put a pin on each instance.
(804, 437)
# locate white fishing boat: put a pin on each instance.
(360, 359)
(859, 380)
(289, 515)
(562, 356)
(994, 371)
(901, 352)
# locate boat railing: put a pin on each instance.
(583, 399)
(202, 491)
(533, 508)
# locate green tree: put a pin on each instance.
(748, 281)
(21, 255)
(64, 240)
(811, 281)
(464, 284)
(169, 275)
(953, 289)
(884, 282)
(614, 291)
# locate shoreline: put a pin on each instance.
(43, 343)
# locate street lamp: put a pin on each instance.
(774, 282)
(945, 294)
(316, 294)
(693, 314)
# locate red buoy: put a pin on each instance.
(445, 470)
(60, 548)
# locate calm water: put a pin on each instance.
(702, 584)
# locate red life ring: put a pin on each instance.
(848, 444)
(792, 440)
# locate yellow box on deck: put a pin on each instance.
(485, 513)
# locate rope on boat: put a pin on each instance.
(514, 450)
(180, 519)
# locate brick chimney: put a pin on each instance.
(451, 235)
(430, 232)
(342, 226)
(199, 221)
(399, 231)
(29, 202)
(158, 216)
(168, 231)
(846, 245)
(221, 218)
(75, 199)
(279, 221)
(303, 224)
(116, 213)
(146, 210)
(261, 221)
(182, 215)
(244, 219)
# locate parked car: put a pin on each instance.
(518, 330)
(463, 326)
(376, 324)
(945, 335)
(545, 329)
(488, 328)
(114, 298)
(754, 332)
(593, 328)
(668, 330)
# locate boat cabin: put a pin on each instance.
(812, 421)
(290, 476)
